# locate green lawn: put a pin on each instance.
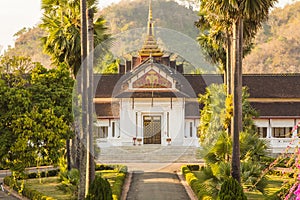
(110, 175)
(274, 184)
(48, 185)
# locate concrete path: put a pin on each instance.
(5, 194)
(156, 185)
(157, 181)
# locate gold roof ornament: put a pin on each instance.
(150, 46)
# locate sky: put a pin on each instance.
(17, 14)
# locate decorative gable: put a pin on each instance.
(152, 79)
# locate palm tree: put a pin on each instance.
(217, 144)
(61, 22)
(83, 183)
(250, 13)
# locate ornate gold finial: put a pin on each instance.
(150, 22)
(150, 11)
(150, 46)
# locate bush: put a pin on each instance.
(193, 167)
(117, 186)
(185, 170)
(231, 190)
(117, 168)
(99, 189)
(198, 188)
(49, 173)
(69, 181)
(104, 167)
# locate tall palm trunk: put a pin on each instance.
(227, 81)
(236, 86)
(83, 186)
(90, 155)
(228, 64)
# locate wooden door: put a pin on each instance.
(152, 129)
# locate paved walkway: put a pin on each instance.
(156, 181)
(5, 196)
(156, 185)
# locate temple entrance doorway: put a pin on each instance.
(152, 129)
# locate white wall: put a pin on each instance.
(132, 112)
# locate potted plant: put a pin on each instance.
(169, 140)
(134, 139)
(139, 140)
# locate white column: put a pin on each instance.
(164, 125)
(269, 130)
(140, 125)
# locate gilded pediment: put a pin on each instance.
(152, 79)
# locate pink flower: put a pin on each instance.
(297, 193)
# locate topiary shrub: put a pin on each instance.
(49, 173)
(99, 189)
(231, 190)
(193, 167)
(104, 167)
(185, 170)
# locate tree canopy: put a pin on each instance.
(35, 114)
(61, 22)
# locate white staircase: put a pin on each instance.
(148, 154)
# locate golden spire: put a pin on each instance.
(150, 22)
(150, 11)
(150, 46)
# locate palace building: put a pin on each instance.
(152, 101)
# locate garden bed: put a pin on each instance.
(48, 187)
(275, 182)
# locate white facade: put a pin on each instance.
(150, 119)
(279, 133)
(134, 112)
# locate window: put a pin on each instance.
(191, 129)
(101, 132)
(281, 132)
(262, 132)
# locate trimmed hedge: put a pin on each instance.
(120, 178)
(29, 193)
(191, 179)
(117, 168)
(193, 167)
(104, 167)
(43, 174)
(118, 185)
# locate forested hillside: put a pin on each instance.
(134, 14)
(277, 46)
(276, 49)
(28, 44)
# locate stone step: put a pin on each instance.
(148, 154)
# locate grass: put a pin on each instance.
(110, 175)
(47, 186)
(274, 184)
